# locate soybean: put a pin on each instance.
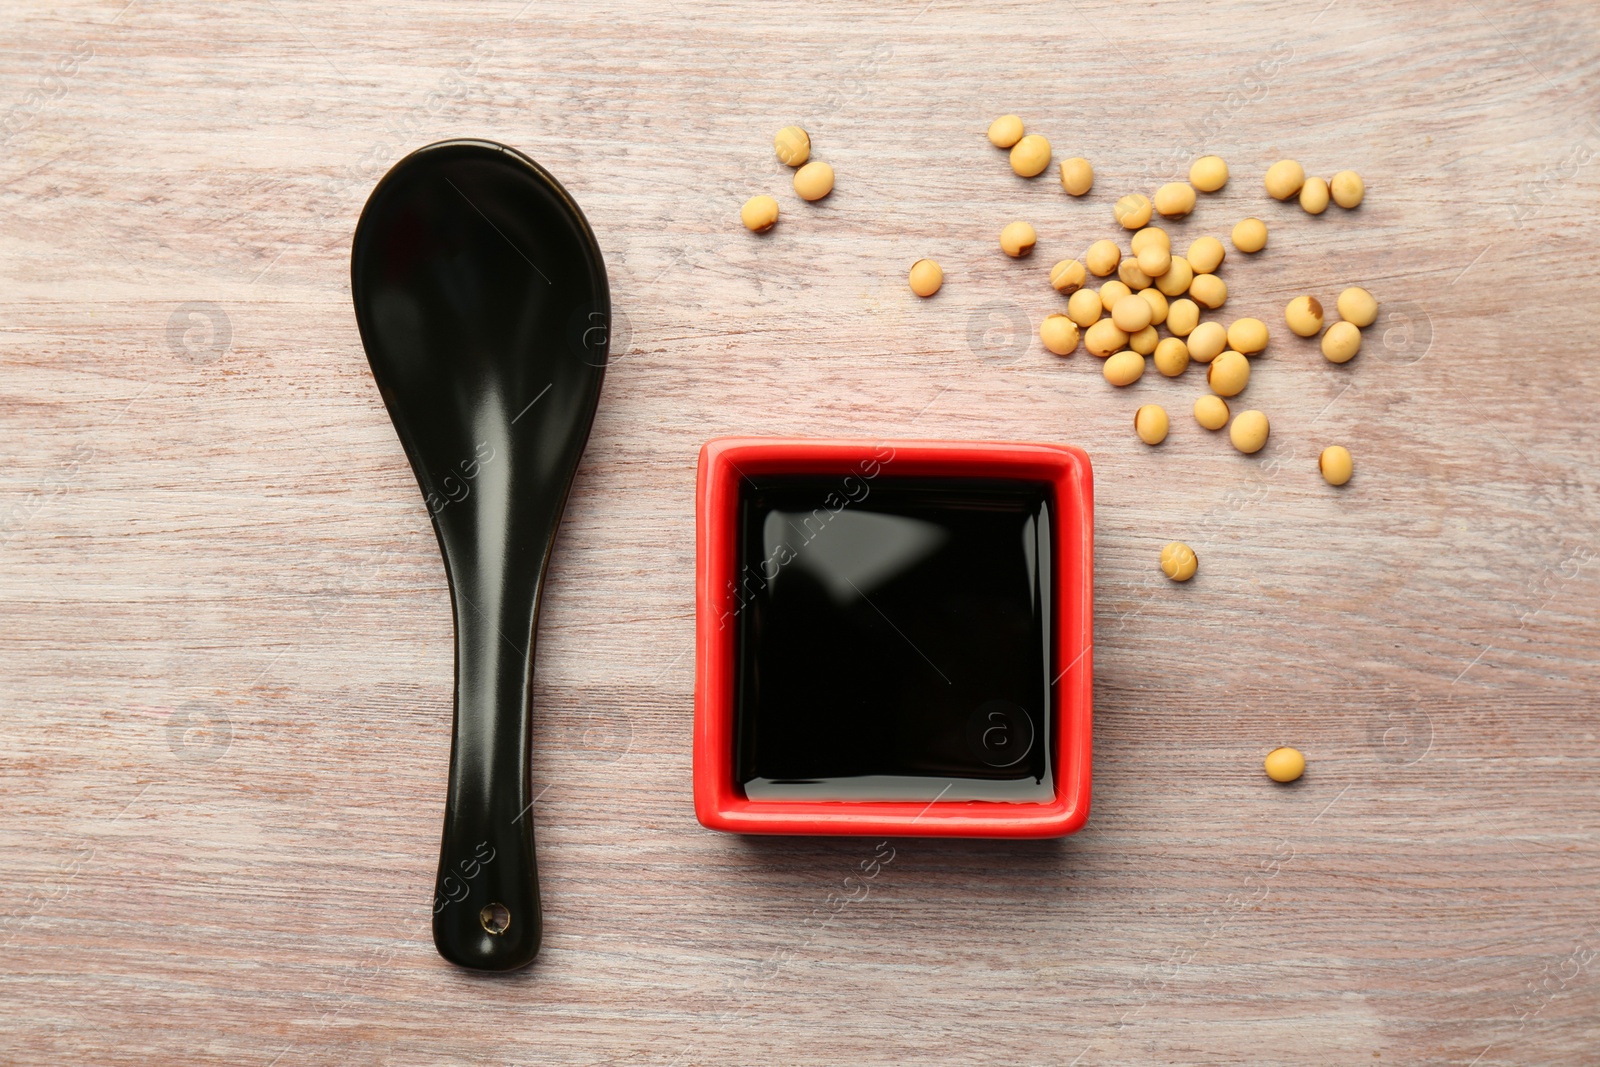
(1059, 334)
(1208, 173)
(1182, 317)
(1158, 305)
(1304, 315)
(1171, 357)
(1155, 260)
(1211, 411)
(1247, 335)
(1206, 341)
(1150, 235)
(1124, 368)
(1179, 562)
(1144, 341)
(1284, 179)
(814, 180)
(926, 277)
(1083, 308)
(1175, 199)
(1250, 235)
(1205, 255)
(1030, 156)
(759, 213)
(1357, 305)
(1132, 275)
(1111, 292)
(1102, 258)
(1180, 274)
(1103, 338)
(1131, 313)
(1348, 189)
(793, 145)
(1228, 374)
(1284, 764)
(1067, 276)
(1133, 211)
(1077, 177)
(1314, 196)
(1018, 239)
(1150, 423)
(1209, 291)
(1335, 464)
(1341, 343)
(1005, 131)
(1249, 432)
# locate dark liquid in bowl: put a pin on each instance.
(894, 639)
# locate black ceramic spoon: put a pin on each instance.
(482, 302)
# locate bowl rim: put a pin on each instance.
(724, 463)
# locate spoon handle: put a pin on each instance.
(486, 909)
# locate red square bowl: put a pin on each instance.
(729, 464)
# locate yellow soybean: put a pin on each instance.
(1005, 131)
(1131, 313)
(1067, 276)
(1284, 179)
(1348, 189)
(1247, 335)
(1124, 368)
(1314, 196)
(1357, 305)
(1030, 156)
(1208, 173)
(1150, 235)
(1211, 411)
(1249, 431)
(1341, 343)
(759, 213)
(814, 180)
(1205, 255)
(1228, 374)
(1159, 309)
(1133, 211)
(1018, 239)
(793, 145)
(1083, 307)
(1175, 199)
(1059, 334)
(1304, 315)
(1144, 341)
(1171, 357)
(926, 277)
(1103, 338)
(1209, 291)
(1132, 275)
(1206, 341)
(1179, 562)
(1113, 291)
(1102, 258)
(1155, 261)
(1250, 235)
(1179, 276)
(1077, 177)
(1150, 422)
(1182, 317)
(1284, 764)
(1335, 464)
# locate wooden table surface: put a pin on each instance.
(227, 640)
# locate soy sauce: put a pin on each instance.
(894, 639)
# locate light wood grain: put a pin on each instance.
(226, 636)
